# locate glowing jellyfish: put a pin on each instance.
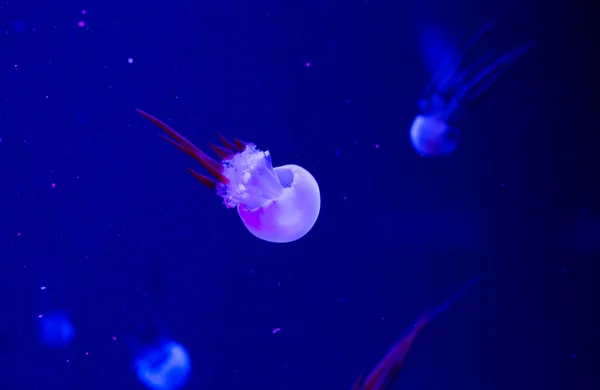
(55, 330)
(452, 87)
(278, 204)
(165, 366)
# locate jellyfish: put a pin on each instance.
(276, 204)
(385, 373)
(454, 86)
(55, 330)
(166, 366)
(157, 359)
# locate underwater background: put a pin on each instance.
(103, 230)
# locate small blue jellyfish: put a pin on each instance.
(55, 330)
(452, 87)
(157, 360)
(165, 366)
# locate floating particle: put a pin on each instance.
(308, 64)
(53, 185)
(83, 12)
(276, 330)
(376, 146)
(81, 23)
(130, 60)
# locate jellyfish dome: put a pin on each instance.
(291, 213)
(432, 137)
(55, 330)
(166, 366)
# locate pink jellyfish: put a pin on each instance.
(451, 88)
(278, 204)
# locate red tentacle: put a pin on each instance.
(214, 167)
(222, 153)
(227, 143)
(207, 181)
(240, 145)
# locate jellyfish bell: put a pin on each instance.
(431, 137)
(163, 366)
(294, 204)
(55, 330)
(157, 360)
(276, 204)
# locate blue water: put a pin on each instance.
(109, 249)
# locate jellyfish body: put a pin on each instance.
(453, 86)
(55, 330)
(278, 204)
(158, 361)
(164, 366)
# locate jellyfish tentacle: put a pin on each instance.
(473, 70)
(207, 181)
(227, 143)
(214, 167)
(445, 75)
(221, 152)
(490, 74)
(239, 144)
(358, 383)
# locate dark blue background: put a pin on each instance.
(396, 232)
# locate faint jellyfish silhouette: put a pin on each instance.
(164, 366)
(55, 330)
(454, 85)
(158, 361)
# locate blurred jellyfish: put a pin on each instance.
(164, 366)
(157, 360)
(55, 330)
(453, 86)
